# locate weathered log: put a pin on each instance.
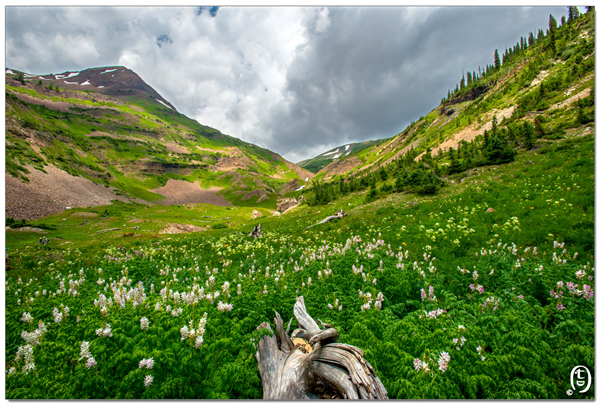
(105, 231)
(310, 365)
(340, 214)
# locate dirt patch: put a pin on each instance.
(136, 221)
(262, 195)
(403, 151)
(286, 203)
(60, 106)
(174, 228)
(109, 135)
(302, 173)
(235, 160)
(84, 214)
(182, 192)
(176, 148)
(340, 167)
(289, 187)
(26, 229)
(541, 76)
(52, 192)
(571, 100)
(55, 105)
(469, 133)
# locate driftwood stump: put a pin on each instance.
(338, 215)
(256, 232)
(309, 364)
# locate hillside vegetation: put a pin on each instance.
(131, 144)
(541, 91)
(467, 274)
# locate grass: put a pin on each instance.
(535, 204)
(62, 133)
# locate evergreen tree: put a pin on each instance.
(540, 34)
(563, 21)
(383, 175)
(528, 135)
(573, 13)
(496, 60)
(512, 137)
(495, 126)
(531, 39)
(486, 139)
(552, 26)
(498, 151)
(582, 118)
(455, 165)
(537, 127)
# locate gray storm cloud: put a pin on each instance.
(295, 80)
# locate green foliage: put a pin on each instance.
(418, 180)
(507, 312)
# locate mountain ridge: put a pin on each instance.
(538, 81)
(108, 126)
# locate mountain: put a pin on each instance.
(321, 161)
(545, 82)
(116, 81)
(102, 134)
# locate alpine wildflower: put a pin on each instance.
(443, 361)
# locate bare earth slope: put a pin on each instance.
(182, 192)
(50, 193)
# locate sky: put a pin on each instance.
(296, 80)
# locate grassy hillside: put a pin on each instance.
(489, 278)
(321, 161)
(129, 143)
(463, 274)
(546, 83)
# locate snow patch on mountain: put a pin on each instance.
(332, 152)
(163, 103)
(87, 82)
(106, 71)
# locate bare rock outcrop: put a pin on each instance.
(286, 203)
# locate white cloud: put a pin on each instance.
(298, 81)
